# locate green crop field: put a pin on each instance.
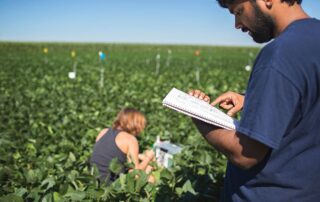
(48, 122)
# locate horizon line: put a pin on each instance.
(132, 43)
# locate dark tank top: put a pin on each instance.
(104, 151)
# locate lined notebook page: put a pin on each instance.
(199, 109)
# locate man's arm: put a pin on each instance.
(241, 150)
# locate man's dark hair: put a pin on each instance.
(224, 3)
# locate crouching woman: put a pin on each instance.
(120, 142)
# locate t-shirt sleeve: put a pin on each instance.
(270, 108)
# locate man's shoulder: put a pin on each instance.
(298, 33)
(294, 42)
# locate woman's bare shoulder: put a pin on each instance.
(125, 141)
(127, 136)
(101, 134)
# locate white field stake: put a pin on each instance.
(157, 64)
(248, 67)
(147, 61)
(73, 74)
(101, 77)
(198, 75)
(45, 51)
(197, 54)
(102, 57)
(168, 58)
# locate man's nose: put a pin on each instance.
(237, 24)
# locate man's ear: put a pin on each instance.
(268, 3)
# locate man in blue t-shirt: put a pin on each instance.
(274, 153)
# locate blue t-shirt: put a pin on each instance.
(282, 111)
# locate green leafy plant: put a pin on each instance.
(49, 122)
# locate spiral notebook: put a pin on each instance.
(199, 109)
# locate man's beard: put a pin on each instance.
(263, 28)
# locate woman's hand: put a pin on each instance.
(147, 155)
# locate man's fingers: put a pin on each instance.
(216, 101)
(230, 101)
(234, 110)
(231, 112)
(200, 95)
(221, 98)
(206, 98)
(195, 93)
(226, 106)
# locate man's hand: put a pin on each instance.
(230, 101)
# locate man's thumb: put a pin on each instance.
(231, 112)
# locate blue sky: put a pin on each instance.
(125, 21)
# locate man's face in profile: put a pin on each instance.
(263, 26)
(250, 18)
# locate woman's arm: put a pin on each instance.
(133, 154)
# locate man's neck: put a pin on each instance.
(285, 15)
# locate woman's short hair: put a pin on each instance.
(130, 120)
